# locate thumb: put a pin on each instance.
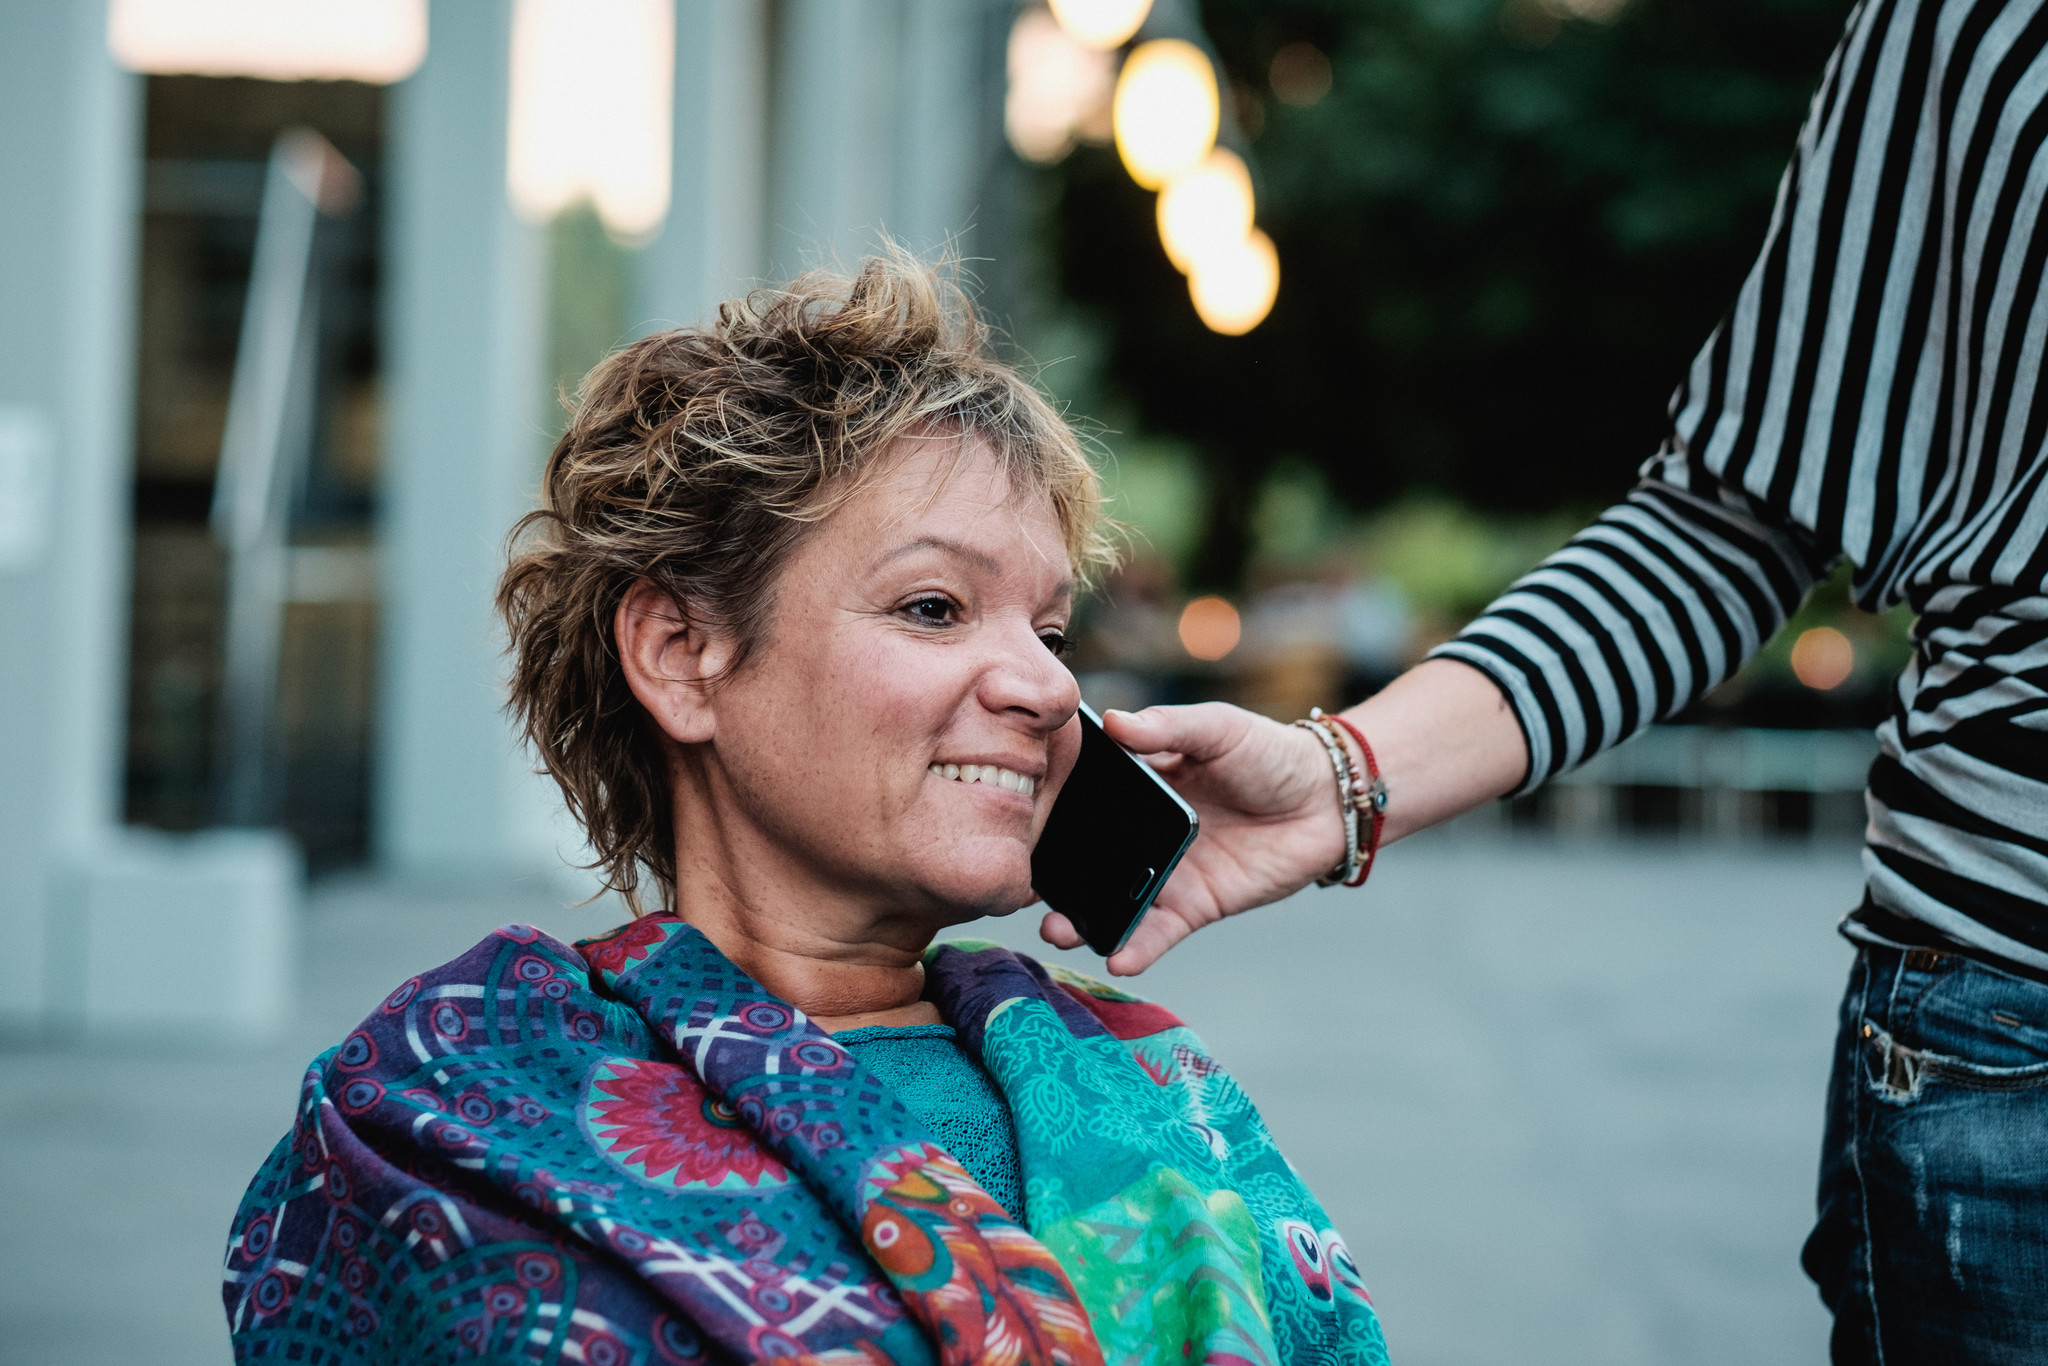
(1202, 730)
(1154, 936)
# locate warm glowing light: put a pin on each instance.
(1209, 628)
(1823, 658)
(1234, 291)
(1300, 74)
(1101, 24)
(1059, 90)
(1165, 110)
(1598, 11)
(276, 40)
(593, 86)
(1206, 213)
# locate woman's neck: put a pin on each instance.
(841, 983)
(844, 964)
(845, 959)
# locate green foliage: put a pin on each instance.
(1502, 235)
(1294, 519)
(1449, 560)
(1155, 489)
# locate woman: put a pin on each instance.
(787, 633)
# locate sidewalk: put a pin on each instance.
(1563, 1102)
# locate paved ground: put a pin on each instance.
(1563, 1102)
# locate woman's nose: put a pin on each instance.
(1028, 678)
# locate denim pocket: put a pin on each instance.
(1897, 1072)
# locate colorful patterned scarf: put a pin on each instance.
(637, 1155)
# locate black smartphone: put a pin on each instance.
(1114, 836)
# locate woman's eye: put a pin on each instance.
(1056, 641)
(937, 611)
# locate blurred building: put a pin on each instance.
(533, 182)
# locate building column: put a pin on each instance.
(464, 445)
(710, 249)
(70, 158)
(882, 123)
(868, 116)
(839, 68)
(948, 122)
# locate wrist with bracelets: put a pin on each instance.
(1361, 798)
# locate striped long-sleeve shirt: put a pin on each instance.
(1873, 394)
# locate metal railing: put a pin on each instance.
(265, 447)
(1724, 779)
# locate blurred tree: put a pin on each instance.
(1503, 233)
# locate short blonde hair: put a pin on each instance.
(696, 459)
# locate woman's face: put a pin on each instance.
(906, 721)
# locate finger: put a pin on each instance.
(1201, 731)
(1149, 942)
(1059, 931)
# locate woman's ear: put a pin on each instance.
(667, 659)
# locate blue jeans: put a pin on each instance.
(1932, 1242)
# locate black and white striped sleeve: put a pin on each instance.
(1657, 602)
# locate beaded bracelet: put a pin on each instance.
(1370, 797)
(1356, 796)
(1340, 764)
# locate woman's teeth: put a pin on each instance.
(986, 773)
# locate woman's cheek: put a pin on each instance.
(907, 679)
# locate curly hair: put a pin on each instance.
(696, 459)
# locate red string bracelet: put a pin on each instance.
(1373, 803)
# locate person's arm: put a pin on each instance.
(1662, 599)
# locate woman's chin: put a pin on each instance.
(966, 897)
(999, 911)
(980, 874)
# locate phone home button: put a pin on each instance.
(1144, 880)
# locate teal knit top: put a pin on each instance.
(947, 1089)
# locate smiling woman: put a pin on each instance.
(787, 631)
(702, 482)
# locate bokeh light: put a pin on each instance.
(593, 88)
(1207, 212)
(378, 41)
(1101, 24)
(1209, 628)
(1234, 290)
(1300, 74)
(1165, 110)
(1058, 92)
(1823, 658)
(1597, 11)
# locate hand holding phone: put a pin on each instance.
(1113, 838)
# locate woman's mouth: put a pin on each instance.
(988, 774)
